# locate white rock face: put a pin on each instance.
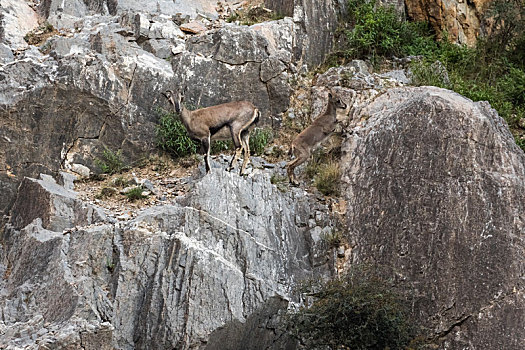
(16, 20)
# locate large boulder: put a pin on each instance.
(16, 19)
(315, 25)
(436, 191)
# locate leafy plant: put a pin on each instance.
(360, 310)
(110, 265)
(315, 162)
(259, 139)
(135, 194)
(334, 238)
(172, 136)
(111, 162)
(121, 181)
(374, 32)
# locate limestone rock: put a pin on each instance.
(315, 24)
(238, 58)
(223, 259)
(435, 186)
(16, 20)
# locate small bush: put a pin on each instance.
(111, 162)
(121, 182)
(172, 136)
(259, 139)
(135, 194)
(334, 238)
(315, 162)
(221, 146)
(357, 311)
(328, 178)
(373, 32)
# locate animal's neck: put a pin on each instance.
(330, 109)
(331, 112)
(184, 114)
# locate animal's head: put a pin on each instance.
(175, 99)
(336, 101)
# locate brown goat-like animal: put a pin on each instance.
(319, 130)
(233, 120)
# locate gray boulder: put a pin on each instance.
(435, 186)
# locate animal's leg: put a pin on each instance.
(238, 148)
(301, 157)
(206, 144)
(245, 139)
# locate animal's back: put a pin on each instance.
(316, 132)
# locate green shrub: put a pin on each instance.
(374, 32)
(357, 311)
(317, 159)
(334, 238)
(135, 194)
(111, 162)
(172, 136)
(259, 139)
(121, 182)
(328, 178)
(221, 146)
(513, 86)
(106, 192)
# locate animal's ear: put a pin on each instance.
(330, 95)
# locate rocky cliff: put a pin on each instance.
(108, 61)
(168, 278)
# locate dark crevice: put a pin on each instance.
(458, 323)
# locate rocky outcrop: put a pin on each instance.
(462, 20)
(222, 258)
(233, 61)
(315, 24)
(435, 191)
